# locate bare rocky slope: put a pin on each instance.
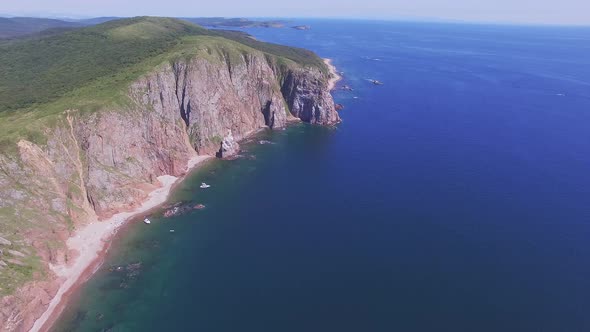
(93, 164)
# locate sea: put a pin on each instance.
(454, 197)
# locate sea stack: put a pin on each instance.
(229, 147)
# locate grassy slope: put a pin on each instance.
(39, 70)
(90, 68)
(299, 55)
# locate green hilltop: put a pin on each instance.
(42, 69)
(90, 68)
(39, 70)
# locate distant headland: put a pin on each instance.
(17, 27)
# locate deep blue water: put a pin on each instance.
(456, 197)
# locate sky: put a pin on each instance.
(502, 11)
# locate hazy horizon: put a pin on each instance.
(565, 12)
(73, 17)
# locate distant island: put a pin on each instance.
(18, 27)
(301, 27)
(234, 22)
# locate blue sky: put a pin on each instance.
(509, 11)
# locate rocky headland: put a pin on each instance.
(78, 172)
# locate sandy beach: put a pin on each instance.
(334, 76)
(91, 241)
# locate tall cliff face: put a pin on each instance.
(95, 164)
(309, 99)
(242, 94)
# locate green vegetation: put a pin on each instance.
(15, 274)
(18, 269)
(21, 26)
(216, 140)
(90, 68)
(39, 70)
(299, 55)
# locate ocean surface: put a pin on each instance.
(455, 197)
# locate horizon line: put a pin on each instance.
(408, 19)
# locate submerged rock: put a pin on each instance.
(181, 208)
(133, 269)
(234, 157)
(115, 268)
(171, 213)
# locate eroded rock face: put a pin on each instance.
(125, 152)
(94, 165)
(308, 97)
(229, 147)
(241, 96)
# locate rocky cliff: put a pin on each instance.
(92, 164)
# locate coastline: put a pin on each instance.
(334, 76)
(92, 240)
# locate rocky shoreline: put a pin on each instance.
(91, 243)
(182, 112)
(335, 77)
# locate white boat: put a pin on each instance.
(147, 221)
(204, 185)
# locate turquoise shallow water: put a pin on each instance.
(452, 198)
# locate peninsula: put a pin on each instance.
(223, 22)
(98, 132)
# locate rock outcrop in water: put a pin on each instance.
(95, 164)
(229, 146)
